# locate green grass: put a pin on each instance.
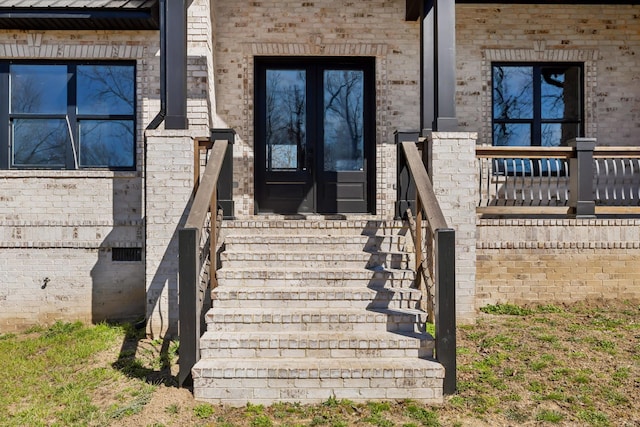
(51, 381)
(573, 365)
(508, 309)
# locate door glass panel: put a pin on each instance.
(343, 120)
(285, 127)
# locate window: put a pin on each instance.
(67, 115)
(536, 104)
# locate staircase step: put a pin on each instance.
(308, 307)
(312, 344)
(368, 227)
(310, 319)
(315, 297)
(315, 259)
(314, 277)
(235, 381)
(272, 243)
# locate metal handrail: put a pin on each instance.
(443, 262)
(192, 257)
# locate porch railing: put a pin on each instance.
(580, 180)
(197, 242)
(434, 244)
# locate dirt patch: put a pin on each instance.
(573, 364)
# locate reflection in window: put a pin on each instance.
(513, 93)
(343, 120)
(106, 143)
(286, 119)
(70, 115)
(536, 104)
(105, 89)
(39, 142)
(38, 89)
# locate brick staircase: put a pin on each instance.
(311, 308)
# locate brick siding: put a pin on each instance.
(548, 261)
(605, 38)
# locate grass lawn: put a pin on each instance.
(543, 365)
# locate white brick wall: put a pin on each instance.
(605, 38)
(169, 186)
(322, 28)
(63, 224)
(453, 161)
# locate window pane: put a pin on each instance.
(560, 88)
(556, 134)
(38, 89)
(107, 143)
(40, 142)
(512, 92)
(105, 89)
(286, 112)
(513, 134)
(343, 120)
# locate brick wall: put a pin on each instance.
(57, 233)
(561, 260)
(453, 162)
(62, 225)
(169, 176)
(58, 228)
(377, 29)
(605, 38)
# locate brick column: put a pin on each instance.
(453, 173)
(169, 184)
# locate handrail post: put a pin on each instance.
(418, 242)
(581, 178)
(189, 327)
(213, 239)
(405, 187)
(445, 309)
(225, 180)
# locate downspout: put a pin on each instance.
(159, 118)
(173, 66)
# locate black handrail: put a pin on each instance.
(192, 289)
(444, 263)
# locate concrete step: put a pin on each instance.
(313, 319)
(285, 276)
(315, 259)
(277, 243)
(308, 307)
(312, 297)
(236, 381)
(312, 344)
(313, 226)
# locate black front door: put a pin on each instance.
(315, 135)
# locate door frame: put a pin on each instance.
(315, 130)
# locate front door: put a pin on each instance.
(315, 135)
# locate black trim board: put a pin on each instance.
(79, 18)
(413, 6)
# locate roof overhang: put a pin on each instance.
(80, 18)
(413, 6)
